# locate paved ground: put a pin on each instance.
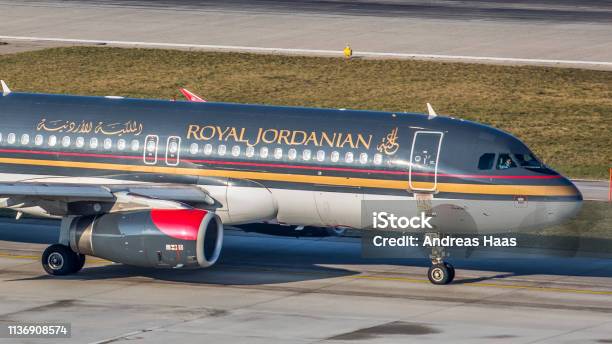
(540, 30)
(594, 190)
(286, 290)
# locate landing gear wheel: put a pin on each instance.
(60, 260)
(439, 274)
(451, 271)
(79, 263)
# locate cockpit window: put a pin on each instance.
(527, 160)
(504, 162)
(486, 161)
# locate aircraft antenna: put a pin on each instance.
(432, 113)
(5, 90)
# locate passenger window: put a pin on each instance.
(236, 150)
(320, 155)
(80, 142)
(250, 151)
(263, 152)
(66, 141)
(208, 148)
(52, 140)
(173, 148)
(151, 145)
(378, 159)
(108, 143)
(278, 153)
(25, 139)
(292, 154)
(135, 145)
(10, 138)
(504, 162)
(221, 150)
(38, 140)
(93, 143)
(363, 158)
(335, 156)
(193, 149)
(306, 154)
(348, 157)
(486, 161)
(121, 144)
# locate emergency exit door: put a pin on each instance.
(173, 150)
(150, 149)
(423, 173)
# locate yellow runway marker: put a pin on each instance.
(493, 285)
(18, 256)
(33, 257)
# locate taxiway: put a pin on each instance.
(281, 289)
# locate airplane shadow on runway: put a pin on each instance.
(255, 259)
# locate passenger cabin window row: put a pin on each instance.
(278, 153)
(67, 141)
(194, 149)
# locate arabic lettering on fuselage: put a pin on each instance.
(278, 136)
(87, 127)
(389, 144)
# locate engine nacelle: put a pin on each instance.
(151, 238)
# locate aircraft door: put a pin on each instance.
(423, 173)
(150, 149)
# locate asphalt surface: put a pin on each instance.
(286, 290)
(594, 190)
(543, 10)
(501, 31)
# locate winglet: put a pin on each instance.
(5, 90)
(430, 110)
(192, 97)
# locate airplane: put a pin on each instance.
(153, 182)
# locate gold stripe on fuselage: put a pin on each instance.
(523, 190)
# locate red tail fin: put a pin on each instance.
(191, 96)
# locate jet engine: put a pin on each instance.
(171, 238)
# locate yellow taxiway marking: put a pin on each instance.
(492, 285)
(398, 279)
(34, 257)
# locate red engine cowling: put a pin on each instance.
(151, 238)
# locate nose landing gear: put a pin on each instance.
(440, 271)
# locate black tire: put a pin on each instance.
(438, 274)
(59, 260)
(79, 263)
(451, 272)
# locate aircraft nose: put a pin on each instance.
(565, 208)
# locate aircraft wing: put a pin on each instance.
(60, 199)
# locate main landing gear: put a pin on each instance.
(440, 271)
(60, 260)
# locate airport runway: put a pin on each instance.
(510, 32)
(287, 290)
